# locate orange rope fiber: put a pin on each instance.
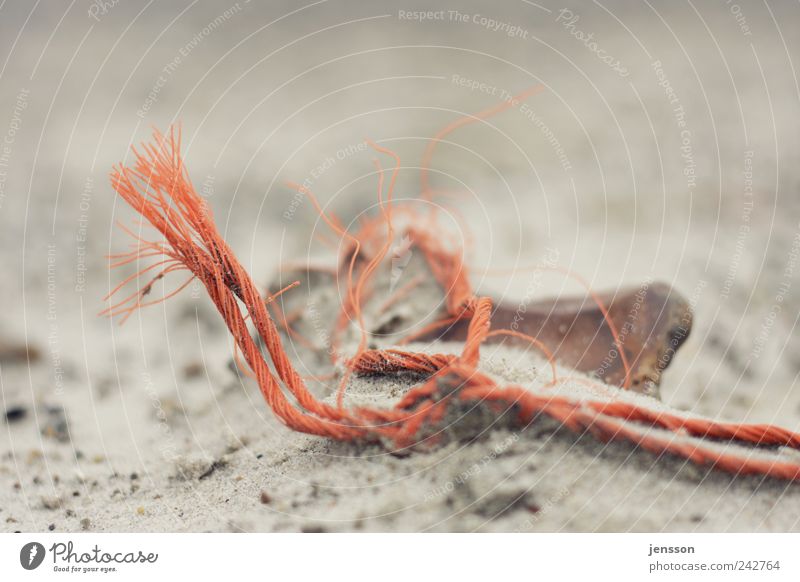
(158, 187)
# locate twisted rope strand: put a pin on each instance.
(158, 188)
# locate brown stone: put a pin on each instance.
(652, 322)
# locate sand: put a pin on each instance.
(145, 427)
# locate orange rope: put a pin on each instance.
(394, 361)
(158, 187)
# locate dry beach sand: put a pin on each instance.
(682, 169)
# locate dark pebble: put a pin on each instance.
(18, 354)
(15, 414)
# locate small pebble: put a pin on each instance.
(11, 353)
(56, 426)
(86, 523)
(15, 414)
(193, 370)
(51, 502)
(265, 498)
(51, 527)
(140, 510)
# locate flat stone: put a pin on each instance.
(652, 322)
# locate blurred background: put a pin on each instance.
(663, 146)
